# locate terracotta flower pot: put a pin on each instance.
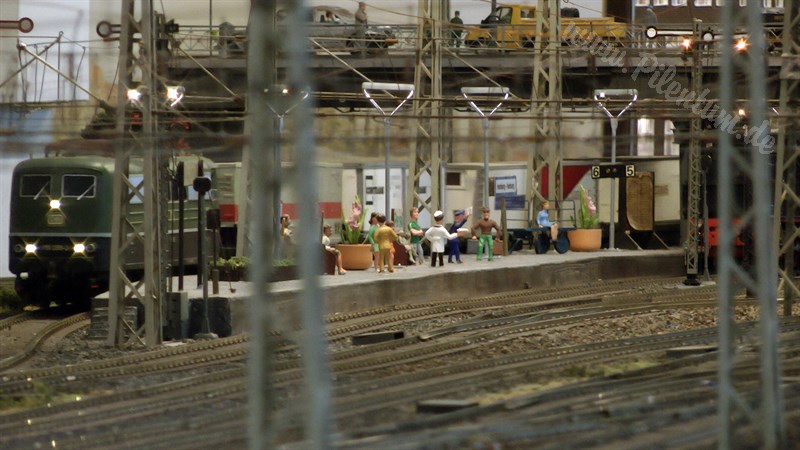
(585, 239)
(355, 256)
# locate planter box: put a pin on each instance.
(585, 239)
(355, 256)
(231, 274)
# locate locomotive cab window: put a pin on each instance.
(34, 186)
(80, 186)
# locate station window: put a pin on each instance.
(454, 180)
(660, 2)
(742, 3)
(720, 2)
(34, 186)
(642, 2)
(702, 3)
(679, 2)
(80, 186)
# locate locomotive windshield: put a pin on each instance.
(34, 186)
(79, 186)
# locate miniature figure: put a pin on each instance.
(485, 224)
(385, 237)
(438, 235)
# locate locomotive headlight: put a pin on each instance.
(741, 45)
(55, 204)
(31, 248)
(79, 248)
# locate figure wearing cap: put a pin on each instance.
(438, 235)
(485, 226)
(457, 26)
(459, 219)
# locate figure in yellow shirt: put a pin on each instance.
(384, 237)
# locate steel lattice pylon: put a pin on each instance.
(787, 199)
(752, 163)
(427, 154)
(546, 103)
(150, 290)
(694, 187)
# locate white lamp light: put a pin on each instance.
(175, 95)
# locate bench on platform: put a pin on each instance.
(539, 238)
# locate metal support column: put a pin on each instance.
(691, 244)
(257, 233)
(546, 105)
(787, 198)
(752, 162)
(125, 237)
(430, 144)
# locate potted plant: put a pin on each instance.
(588, 235)
(233, 269)
(355, 253)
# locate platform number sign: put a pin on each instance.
(613, 171)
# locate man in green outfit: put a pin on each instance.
(416, 235)
(485, 225)
(457, 26)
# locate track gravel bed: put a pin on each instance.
(545, 369)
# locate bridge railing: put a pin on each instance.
(200, 40)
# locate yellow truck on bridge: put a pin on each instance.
(514, 27)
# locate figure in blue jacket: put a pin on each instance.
(458, 221)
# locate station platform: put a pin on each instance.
(360, 290)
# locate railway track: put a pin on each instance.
(36, 329)
(234, 348)
(208, 375)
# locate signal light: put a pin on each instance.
(741, 45)
(175, 95)
(686, 43)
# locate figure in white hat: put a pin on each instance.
(438, 236)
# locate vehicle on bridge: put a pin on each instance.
(330, 28)
(333, 28)
(514, 27)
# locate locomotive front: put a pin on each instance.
(60, 228)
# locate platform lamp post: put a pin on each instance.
(280, 100)
(472, 95)
(600, 96)
(369, 89)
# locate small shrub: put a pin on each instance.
(9, 299)
(238, 262)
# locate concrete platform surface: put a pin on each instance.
(366, 289)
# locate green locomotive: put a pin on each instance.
(61, 223)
